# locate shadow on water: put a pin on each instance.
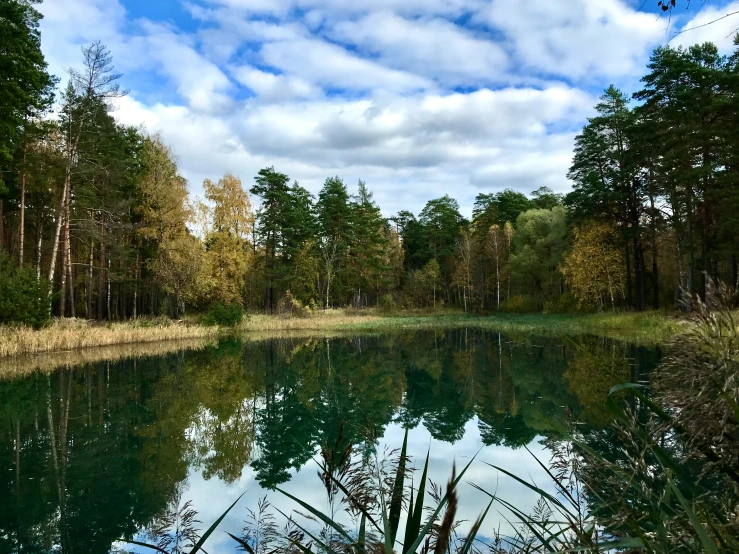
(95, 452)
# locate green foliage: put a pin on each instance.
(539, 245)
(24, 299)
(289, 306)
(563, 304)
(521, 304)
(27, 86)
(387, 303)
(229, 315)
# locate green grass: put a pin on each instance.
(642, 328)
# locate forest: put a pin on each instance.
(97, 221)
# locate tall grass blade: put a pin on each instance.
(445, 529)
(396, 502)
(355, 503)
(534, 488)
(245, 545)
(318, 541)
(469, 541)
(530, 524)
(362, 538)
(201, 542)
(418, 510)
(327, 520)
(562, 489)
(413, 525)
(731, 402)
(146, 545)
(708, 545)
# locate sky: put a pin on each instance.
(418, 98)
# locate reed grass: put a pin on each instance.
(13, 367)
(73, 334)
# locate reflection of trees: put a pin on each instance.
(91, 454)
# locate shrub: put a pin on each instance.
(564, 304)
(23, 298)
(520, 304)
(386, 303)
(289, 306)
(228, 315)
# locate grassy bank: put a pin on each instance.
(73, 335)
(66, 335)
(644, 328)
(18, 366)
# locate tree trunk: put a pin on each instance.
(136, 286)
(107, 280)
(655, 266)
(22, 222)
(629, 296)
(101, 282)
(691, 259)
(57, 234)
(38, 253)
(497, 282)
(72, 307)
(90, 276)
(638, 272)
(2, 230)
(64, 268)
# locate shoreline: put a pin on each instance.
(71, 335)
(641, 328)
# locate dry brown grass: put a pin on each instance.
(334, 319)
(71, 334)
(18, 366)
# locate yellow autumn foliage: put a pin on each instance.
(594, 268)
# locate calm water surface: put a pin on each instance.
(93, 453)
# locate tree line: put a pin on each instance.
(96, 220)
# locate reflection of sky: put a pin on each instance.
(212, 497)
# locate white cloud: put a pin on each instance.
(342, 8)
(68, 25)
(434, 48)
(401, 93)
(333, 67)
(200, 82)
(274, 88)
(577, 39)
(408, 149)
(704, 27)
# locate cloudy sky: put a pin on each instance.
(418, 98)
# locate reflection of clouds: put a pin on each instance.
(212, 497)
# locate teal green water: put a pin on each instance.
(94, 453)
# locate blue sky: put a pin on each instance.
(419, 98)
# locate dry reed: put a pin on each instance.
(73, 334)
(18, 366)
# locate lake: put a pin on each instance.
(92, 453)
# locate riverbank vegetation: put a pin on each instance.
(646, 328)
(68, 335)
(97, 222)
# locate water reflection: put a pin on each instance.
(93, 453)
